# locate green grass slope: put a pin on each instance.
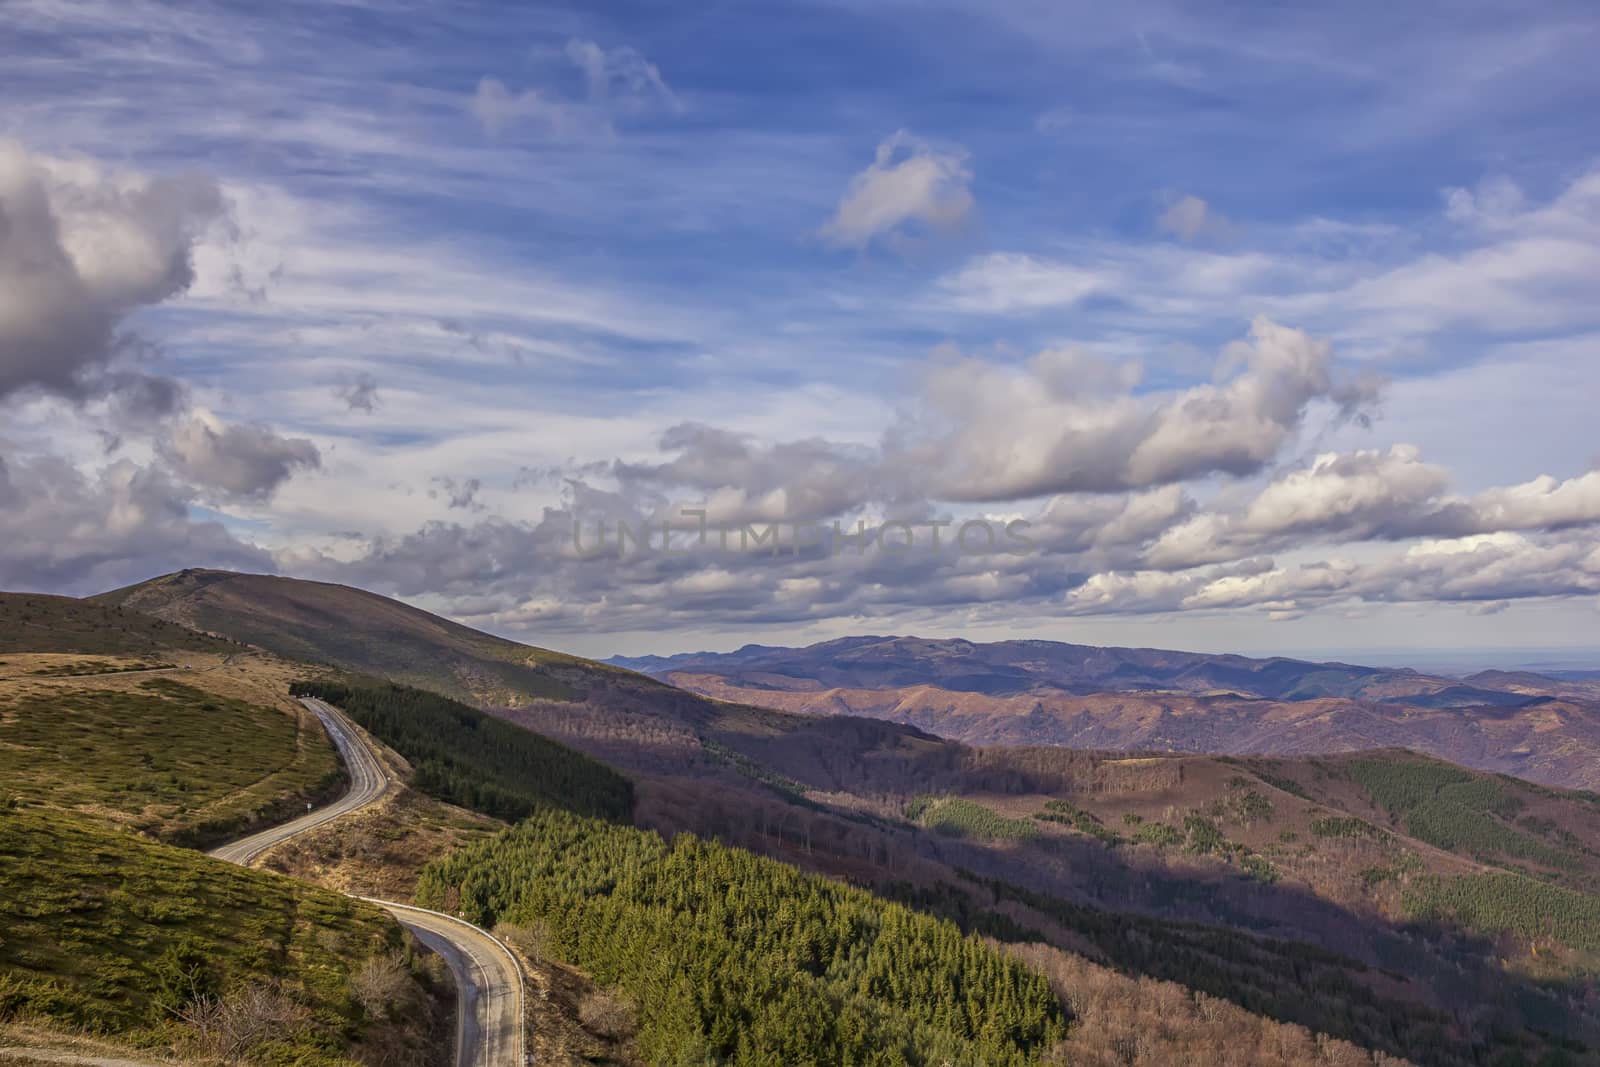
(182, 764)
(105, 930)
(33, 622)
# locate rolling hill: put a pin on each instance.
(315, 622)
(34, 622)
(1376, 906)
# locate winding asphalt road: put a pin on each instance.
(368, 784)
(489, 986)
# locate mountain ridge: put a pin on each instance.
(1031, 692)
(1068, 667)
(353, 629)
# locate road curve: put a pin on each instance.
(368, 783)
(489, 986)
(489, 983)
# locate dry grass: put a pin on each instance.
(380, 850)
(53, 1044)
(572, 1020)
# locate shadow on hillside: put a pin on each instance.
(1433, 993)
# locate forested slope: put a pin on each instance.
(739, 959)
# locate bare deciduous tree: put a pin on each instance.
(230, 1026)
(381, 984)
(606, 1013)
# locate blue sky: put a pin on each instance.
(1270, 320)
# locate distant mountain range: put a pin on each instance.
(1010, 668)
(1046, 692)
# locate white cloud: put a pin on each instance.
(621, 75)
(1543, 503)
(1370, 495)
(998, 433)
(1492, 262)
(908, 181)
(619, 81)
(1336, 488)
(497, 108)
(81, 248)
(1481, 570)
(1514, 268)
(240, 462)
(1496, 202)
(1003, 282)
(1190, 217)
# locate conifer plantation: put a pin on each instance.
(731, 957)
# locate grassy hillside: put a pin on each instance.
(118, 729)
(106, 930)
(354, 630)
(33, 622)
(186, 765)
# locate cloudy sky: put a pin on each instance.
(1219, 327)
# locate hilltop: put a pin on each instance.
(321, 623)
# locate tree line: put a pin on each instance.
(466, 757)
